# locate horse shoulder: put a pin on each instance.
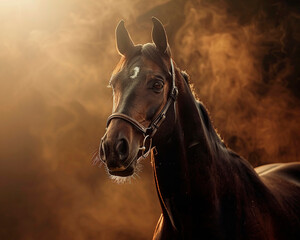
(282, 173)
(283, 181)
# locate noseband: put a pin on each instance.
(148, 132)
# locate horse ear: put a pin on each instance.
(159, 36)
(124, 42)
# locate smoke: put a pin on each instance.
(56, 58)
(242, 59)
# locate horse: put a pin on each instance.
(206, 190)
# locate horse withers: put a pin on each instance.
(206, 191)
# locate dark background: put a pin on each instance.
(56, 58)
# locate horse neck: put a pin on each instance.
(189, 133)
(192, 168)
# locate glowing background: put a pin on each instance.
(56, 58)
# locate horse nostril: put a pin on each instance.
(102, 151)
(122, 149)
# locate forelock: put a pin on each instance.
(150, 51)
(147, 50)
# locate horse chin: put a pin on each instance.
(127, 175)
(130, 172)
(123, 176)
(124, 173)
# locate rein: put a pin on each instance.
(148, 132)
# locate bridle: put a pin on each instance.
(148, 132)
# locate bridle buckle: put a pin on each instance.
(143, 147)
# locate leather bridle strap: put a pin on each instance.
(150, 131)
(125, 117)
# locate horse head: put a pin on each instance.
(143, 85)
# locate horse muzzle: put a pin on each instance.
(119, 149)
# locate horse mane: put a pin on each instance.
(185, 76)
(204, 114)
(238, 165)
(208, 124)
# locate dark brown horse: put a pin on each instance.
(206, 191)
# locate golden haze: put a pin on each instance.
(56, 58)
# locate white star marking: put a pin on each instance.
(136, 71)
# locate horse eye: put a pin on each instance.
(158, 85)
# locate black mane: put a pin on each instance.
(204, 114)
